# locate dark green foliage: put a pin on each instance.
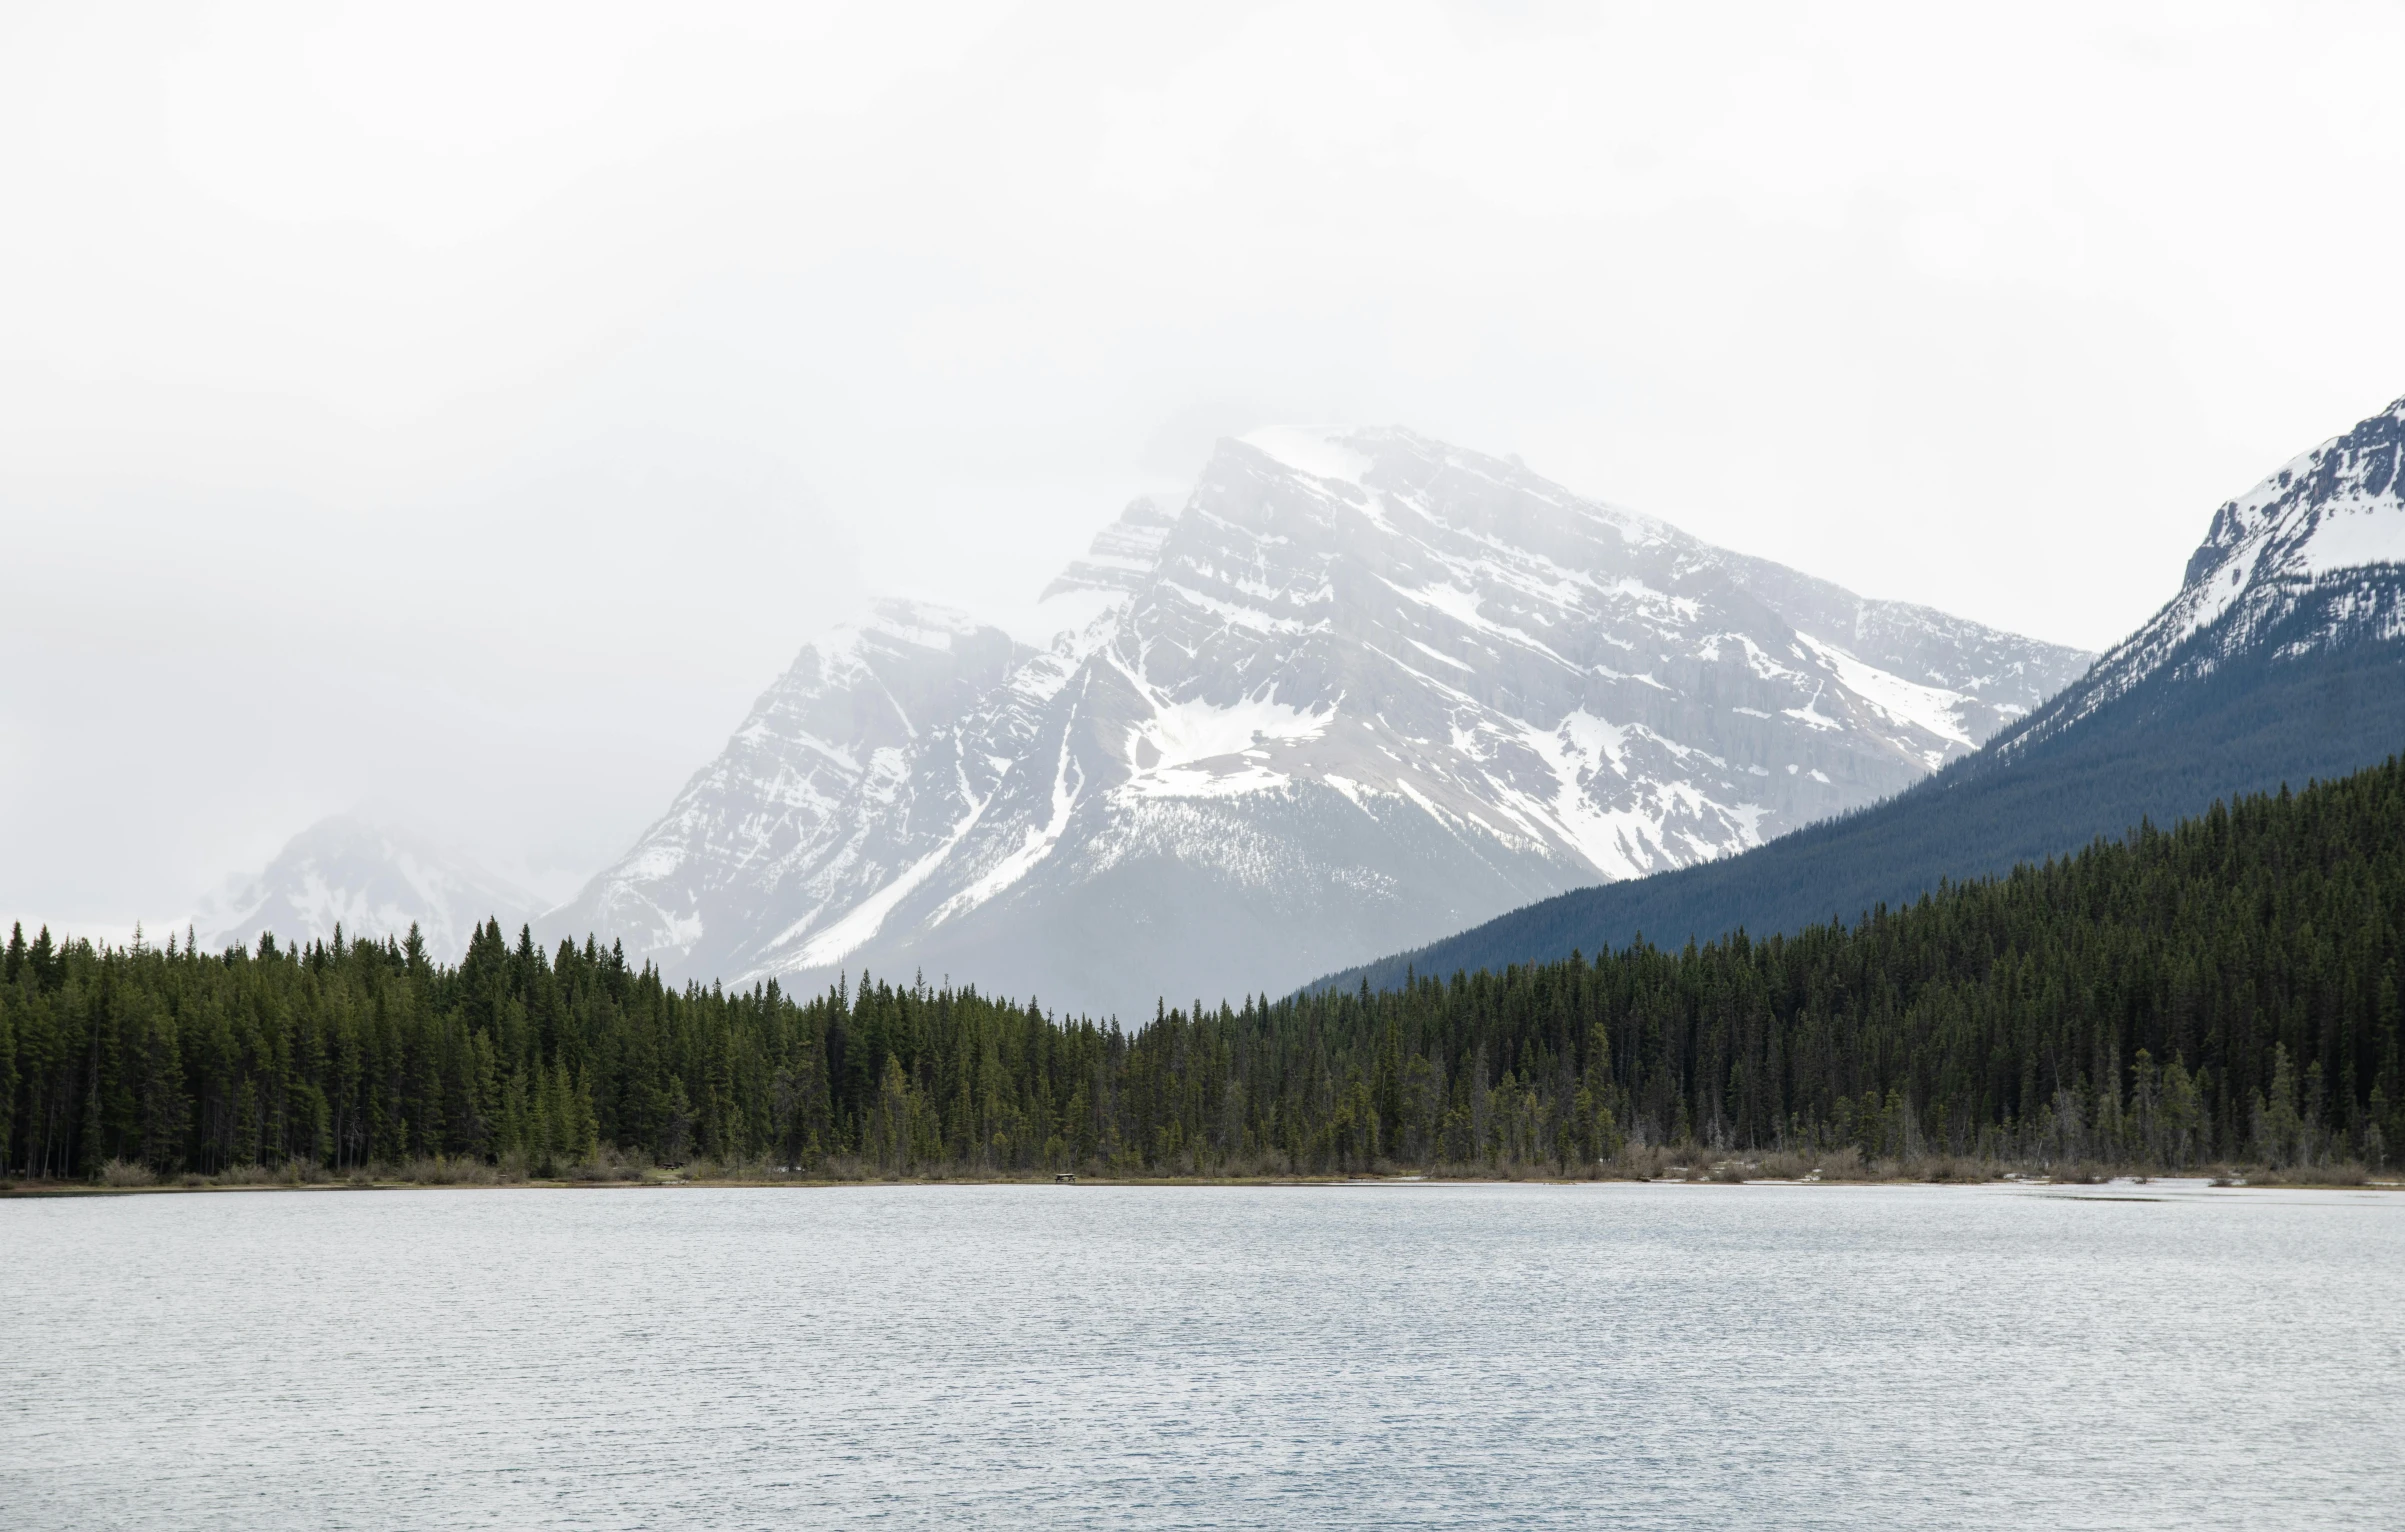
(2227, 990)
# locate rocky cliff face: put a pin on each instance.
(1361, 689)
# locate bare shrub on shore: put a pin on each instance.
(127, 1173)
(1843, 1164)
(743, 1169)
(609, 1165)
(448, 1170)
(2339, 1173)
(1265, 1166)
(1638, 1162)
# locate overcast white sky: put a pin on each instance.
(469, 409)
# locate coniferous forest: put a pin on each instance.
(2223, 992)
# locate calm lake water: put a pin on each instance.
(1591, 1356)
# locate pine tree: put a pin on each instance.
(676, 1132)
(2277, 1127)
(889, 1145)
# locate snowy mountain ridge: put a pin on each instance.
(1361, 686)
(2323, 532)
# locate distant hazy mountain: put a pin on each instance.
(372, 879)
(2282, 659)
(1361, 689)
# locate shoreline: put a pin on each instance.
(2095, 1186)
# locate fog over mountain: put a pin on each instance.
(1361, 688)
(474, 411)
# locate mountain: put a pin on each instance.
(373, 879)
(1359, 689)
(2280, 660)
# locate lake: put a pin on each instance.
(1095, 1356)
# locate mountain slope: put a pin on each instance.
(1360, 689)
(2282, 659)
(370, 878)
(846, 773)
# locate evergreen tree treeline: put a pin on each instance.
(2227, 990)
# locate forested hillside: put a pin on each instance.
(2223, 991)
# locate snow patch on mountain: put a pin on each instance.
(1810, 714)
(1619, 842)
(845, 937)
(2350, 535)
(1183, 733)
(1933, 709)
(1068, 780)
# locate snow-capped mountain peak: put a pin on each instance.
(1360, 687)
(2322, 536)
(371, 877)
